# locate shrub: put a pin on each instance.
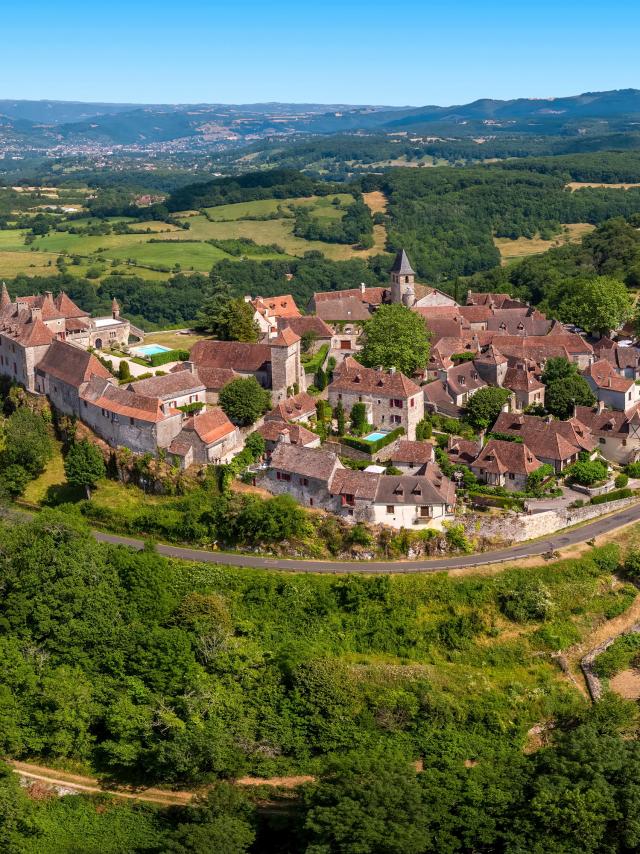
(158, 359)
(587, 472)
(621, 481)
(244, 400)
(372, 447)
(633, 469)
(622, 653)
(526, 601)
(616, 495)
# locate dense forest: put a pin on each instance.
(146, 669)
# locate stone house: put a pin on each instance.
(617, 433)
(411, 457)
(507, 464)
(299, 407)
(615, 391)
(557, 443)
(525, 385)
(304, 473)
(408, 502)
(310, 325)
(276, 432)
(269, 310)
(213, 379)
(62, 373)
(210, 437)
(391, 399)
(175, 389)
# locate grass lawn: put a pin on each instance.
(263, 207)
(12, 239)
(30, 263)
(199, 256)
(174, 340)
(52, 484)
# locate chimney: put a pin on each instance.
(481, 436)
(600, 406)
(48, 294)
(392, 371)
(285, 437)
(36, 314)
(362, 288)
(247, 298)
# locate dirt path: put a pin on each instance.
(65, 780)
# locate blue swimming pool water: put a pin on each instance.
(373, 437)
(152, 349)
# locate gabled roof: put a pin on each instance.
(280, 306)
(67, 306)
(308, 462)
(604, 376)
(236, 355)
(271, 431)
(181, 382)
(461, 450)
(414, 453)
(210, 426)
(360, 484)
(285, 338)
(355, 378)
(121, 401)
(402, 265)
(430, 488)
(521, 378)
(344, 309)
(28, 331)
(501, 457)
(464, 377)
(299, 406)
(307, 323)
(70, 364)
(548, 439)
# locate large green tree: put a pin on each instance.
(244, 401)
(485, 405)
(84, 465)
(562, 394)
(599, 304)
(396, 337)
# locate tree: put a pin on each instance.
(587, 472)
(27, 442)
(340, 418)
(358, 419)
(320, 379)
(307, 340)
(244, 401)
(256, 445)
(124, 371)
(221, 822)
(561, 395)
(558, 368)
(396, 337)
(365, 805)
(14, 480)
(599, 304)
(84, 465)
(16, 814)
(485, 405)
(227, 318)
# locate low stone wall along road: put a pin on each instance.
(560, 540)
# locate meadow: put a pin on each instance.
(522, 247)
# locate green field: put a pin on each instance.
(264, 207)
(199, 256)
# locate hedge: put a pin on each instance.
(316, 361)
(372, 447)
(612, 496)
(158, 359)
(506, 502)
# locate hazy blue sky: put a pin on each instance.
(402, 52)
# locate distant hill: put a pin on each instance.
(49, 122)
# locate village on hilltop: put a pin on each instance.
(387, 474)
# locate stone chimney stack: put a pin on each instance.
(36, 314)
(115, 309)
(285, 437)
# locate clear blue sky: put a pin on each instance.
(350, 51)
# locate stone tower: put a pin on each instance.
(403, 281)
(286, 367)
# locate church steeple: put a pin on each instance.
(402, 280)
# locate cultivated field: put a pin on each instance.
(522, 247)
(579, 185)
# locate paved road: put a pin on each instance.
(521, 551)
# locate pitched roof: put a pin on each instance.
(271, 431)
(604, 376)
(437, 392)
(280, 306)
(308, 462)
(464, 377)
(343, 309)
(402, 265)
(521, 378)
(121, 401)
(555, 440)
(71, 364)
(360, 484)
(67, 306)
(371, 295)
(210, 426)
(430, 488)
(28, 331)
(355, 378)
(415, 453)
(298, 406)
(499, 456)
(181, 382)
(461, 450)
(285, 338)
(236, 355)
(307, 323)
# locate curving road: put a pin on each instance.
(523, 550)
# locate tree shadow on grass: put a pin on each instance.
(62, 493)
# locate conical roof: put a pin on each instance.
(402, 265)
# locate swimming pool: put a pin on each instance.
(373, 437)
(151, 349)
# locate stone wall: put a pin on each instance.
(518, 527)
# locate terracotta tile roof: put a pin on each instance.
(501, 457)
(280, 306)
(605, 422)
(230, 354)
(368, 295)
(461, 450)
(542, 346)
(28, 332)
(436, 392)
(415, 453)
(308, 323)
(555, 440)
(604, 376)
(285, 338)
(70, 364)
(121, 401)
(210, 426)
(360, 484)
(271, 431)
(182, 382)
(491, 356)
(181, 449)
(67, 307)
(299, 406)
(497, 300)
(355, 378)
(464, 377)
(445, 328)
(476, 313)
(521, 378)
(308, 462)
(529, 326)
(344, 309)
